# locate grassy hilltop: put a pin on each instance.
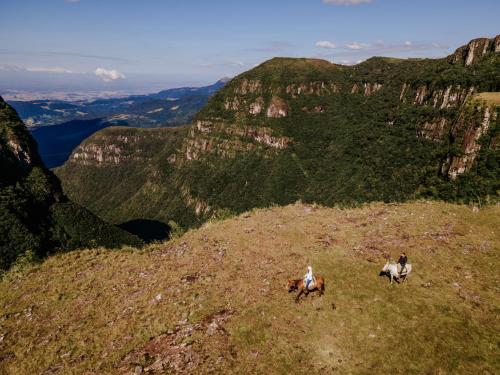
(214, 300)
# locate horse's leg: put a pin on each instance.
(301, 290)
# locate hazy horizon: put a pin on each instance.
(82, 46)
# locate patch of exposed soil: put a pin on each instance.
(182, 350)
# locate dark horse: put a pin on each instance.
(318, 283)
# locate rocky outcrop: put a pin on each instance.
(278, 108)
(262, 135)
(434, 130)
(367, 88)
(200, 207)
(232, 104)
(249, 87)
(16, 145)
(90, 154)
(316, 109)
(219, 138)
(109, 147)
(21, 151)
(403, 91)
(436, 97)
(467, 131)
(257, 106)
(371, 88)
(316, 88)
(199, 147)
(473, 52)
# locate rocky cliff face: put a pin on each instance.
(121, 145)
(467, 132)
(473, 52)
(18, 151)
(35, 215)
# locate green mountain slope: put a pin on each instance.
(215, 300)
(35, 215)
(305, 129)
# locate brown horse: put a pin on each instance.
(318, 283)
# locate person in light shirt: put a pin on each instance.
(308, 277)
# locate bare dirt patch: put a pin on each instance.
(179, 350)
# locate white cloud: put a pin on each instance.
(356, 45)
(109, 75)
(72, 1)
(325, 44)
(346, 2)
(408, 43)
(11, 68)
(38, 69)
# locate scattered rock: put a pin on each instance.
(212, 328)
(170, 352)
(326, 240)
(190, 278)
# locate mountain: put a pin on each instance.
(57, 140)
(215, 300)
(305, 129)
(36, 218)
(170, 107)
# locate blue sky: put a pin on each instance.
(107, 44)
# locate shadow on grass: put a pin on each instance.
(147, 230)
(388, 275)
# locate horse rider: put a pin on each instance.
(403, 259)
(308, 277)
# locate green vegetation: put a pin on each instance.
(215, 300)
(348, 144)
(35, 217)
(143, 185)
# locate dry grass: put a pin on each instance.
(215, 299)
(491, 98)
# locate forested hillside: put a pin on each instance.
(304, 129)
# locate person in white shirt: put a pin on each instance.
(308, 277)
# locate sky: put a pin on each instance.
(148, 45)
